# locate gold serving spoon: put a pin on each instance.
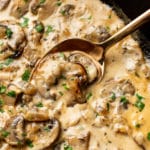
(96, 51)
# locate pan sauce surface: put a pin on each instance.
(59, 107)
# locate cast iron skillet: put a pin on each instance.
(130, 9)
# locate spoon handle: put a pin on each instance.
(129, 28)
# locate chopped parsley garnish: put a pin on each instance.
(11, 93)
(39, 104)
(9, 33)
(90, 17)
(65, 86)
(4, 133)
(1, 110)
(26, 75)
(25, 1)
(124, 101)
(42, 1)
(49, 29)
(67, 147)
(148, 136)
(47, 129)
(58, 3)
(63, 12)
(25, 22)
(62, 55)
(89, 95)
(61, 93)
(39, 28)
(2, 89)
(137, 125)
(139, 102)
(8, 61)
(29, 143)
(108, 106)
(113, 96)
(1, 102)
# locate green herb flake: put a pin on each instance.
(8, 61)
(67, 147)
(9, 33)
(1, 102)
(4, 133)
(58, 3)
(139, 102)
(42, 1)
(113, 96)
(124, 100)
(11, 93)
(39, 104)
(63, 12)
(47, 129)
(2, 89)
(25, 22)
(1, 66)
(137, 125)
(25, 1)
(148, 136)
(65, 86)
(62, 55)
(2, 110)
(61, 93)
(26, 75)
(140, 105)
(108, 106)
(39, 28)
(29, 143)
(49, 29)
(89, 95)
(90, 17)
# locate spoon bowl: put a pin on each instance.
(95, 52)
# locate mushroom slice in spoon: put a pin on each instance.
(19, 8)
(91, 66)
(43, 134)
(13, 38)
(4, 4)
(15, 129)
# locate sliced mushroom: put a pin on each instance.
(77, 139)
(120, 88)
(90, 65)
(19, 8)
(13, 39)
(15, 129)
(98, 34)
(42, 9)
(4, 4)
(43, 134)
(67, 10)
(36, 115)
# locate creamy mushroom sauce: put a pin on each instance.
(60, 106)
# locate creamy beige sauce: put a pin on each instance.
(60, 107)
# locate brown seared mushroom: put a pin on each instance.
(19, 8)
(13, 39)
(42, 9)
(4, 4)
(119, 88)
(15, 129)
(67, 10)
(43, 134)
(91, 67)
(35, 114)
(98, 34)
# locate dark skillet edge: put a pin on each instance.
(143, 41)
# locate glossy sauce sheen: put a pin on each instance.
(60, 107)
